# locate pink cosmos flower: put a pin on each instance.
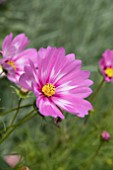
(106, 65)
(59, 83)
(15, 57)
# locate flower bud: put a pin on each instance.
(12, 160)
(105, 136)
(23, 91)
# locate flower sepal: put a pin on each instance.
(57, 121)
(21, 92)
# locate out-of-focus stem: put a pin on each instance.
(14, 109)
(25, 119)
(11, 128)
(93, 157)
(96, 91)
(17, 111)
(93, 97)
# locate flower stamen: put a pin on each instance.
(12, 64)
(109, 72)
(48, 90)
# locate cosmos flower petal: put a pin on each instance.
(41, 55)
(20, 42)
(26, 55)
(74, 84)
(56, 67)
(59, 71)
(12, 76)
(47, 108)
(76, 77)
(86, 82)
(69, 70)
(72, 104)
(81, 92)
(107, 79)
(11, 47)
(108, 57)
(25, 82)
(49, 66)
(6, 45)
(7, 41)
(71, 57)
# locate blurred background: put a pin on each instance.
(83, 27)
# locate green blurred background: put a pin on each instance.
(83, 27)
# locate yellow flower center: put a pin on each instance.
(12, 64)
(48, 89)
(109, 72)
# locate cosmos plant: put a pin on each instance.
(55, 79)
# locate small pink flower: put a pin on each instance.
(12, 160)
(106, 65)
(15, 57)
(105, 136)
(59, 83)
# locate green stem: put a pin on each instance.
(17, 111)
(14, 109)
(97, 90)
(93, 97)
(25, 120)
(11, 128)
(93, 157)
